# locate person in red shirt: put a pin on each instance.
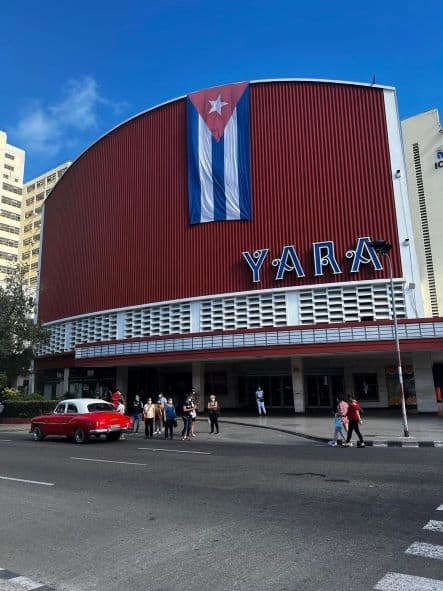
(353, 414)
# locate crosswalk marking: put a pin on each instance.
(426, 550)
(434, 525)
(399, 582)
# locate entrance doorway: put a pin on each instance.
(277, 390)
(323, 389)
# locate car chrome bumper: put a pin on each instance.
(112, 429)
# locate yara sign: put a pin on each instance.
(323, 255)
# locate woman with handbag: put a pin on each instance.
(170, 418)
(353, 414)
(213, 412)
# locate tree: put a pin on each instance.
(20, 334)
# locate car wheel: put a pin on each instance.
(80, 435)
(37, 434)
(113, 436)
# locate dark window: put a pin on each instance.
(72, 408)
(59, 409)
(366, 386)
(100, 406)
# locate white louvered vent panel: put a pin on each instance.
(94, 329)
(252, 311)
(158, 320)
(57, 340)
(350, 303)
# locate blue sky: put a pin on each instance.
(73, 70)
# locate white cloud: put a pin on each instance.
(44, 130)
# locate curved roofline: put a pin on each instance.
(183, 96)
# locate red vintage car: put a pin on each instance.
(80, 418)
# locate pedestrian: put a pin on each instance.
(213, 412)
(148, 415)
(194, 400)
(121, 409)
(338, 430)
(116, 397)
(170, 418)
(158, 416)
(260, 398)
(353, 414)
(342, 409)
(187, 419)
(136, 412)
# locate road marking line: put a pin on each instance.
(438, 443)
(177, 451)
(26, 583)
(434, 525)
(426, 550)
(380, 444)
(440, 508)
(5, 440)
(27, 481)
(399, 582)
(108, 461)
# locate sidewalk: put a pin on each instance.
(379, 430)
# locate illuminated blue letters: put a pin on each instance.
(255, 262)
(365, 254)
(288, 261)
(324, 255)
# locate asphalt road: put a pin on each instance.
(274, 513)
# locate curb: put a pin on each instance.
(22, 581)
(368, 443)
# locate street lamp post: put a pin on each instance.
(383, 247)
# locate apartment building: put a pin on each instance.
(35, 192)
(12, 163)
(423, 145)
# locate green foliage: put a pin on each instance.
(19, 334)
(28, 408)
(11, 394)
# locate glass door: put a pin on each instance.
(322, 390)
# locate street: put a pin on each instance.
(245, 510)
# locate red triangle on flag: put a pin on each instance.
(216, 105)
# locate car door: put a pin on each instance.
(52, 425)
(70, 415)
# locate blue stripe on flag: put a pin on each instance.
(218, 178)
(244, 180)
(194, 187)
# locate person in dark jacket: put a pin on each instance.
(136, 413)
(170, 417)
(213, 412)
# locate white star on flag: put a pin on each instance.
(217, 105)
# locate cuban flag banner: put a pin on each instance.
(218, 154)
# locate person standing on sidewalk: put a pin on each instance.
(213, 412)
(187, 418)
(148, 415)
(355, 421)
(169, 418)
(260, 398)
(136, 411)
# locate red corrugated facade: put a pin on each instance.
(116, 228)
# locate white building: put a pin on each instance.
(12, 163)
(35, 192)
(423, 145)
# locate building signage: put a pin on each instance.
(439, 163)
(323, 254)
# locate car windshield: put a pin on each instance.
(100, 406)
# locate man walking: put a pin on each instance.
(260, 398)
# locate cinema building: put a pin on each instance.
(223, 240)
